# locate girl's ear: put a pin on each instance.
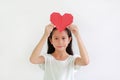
(50, 40)
(70, 38)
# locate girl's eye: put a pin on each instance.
(56, 38)
(63, 38)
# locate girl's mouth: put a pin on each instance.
(59, 46)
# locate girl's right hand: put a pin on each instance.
(48, 29)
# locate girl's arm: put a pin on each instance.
(83, 59)
(35, 57)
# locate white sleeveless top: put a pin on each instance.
(57, 69)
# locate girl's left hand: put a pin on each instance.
(74, 29)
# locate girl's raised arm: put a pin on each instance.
(83, 59)
(35, 57)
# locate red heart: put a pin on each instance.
(61, 22)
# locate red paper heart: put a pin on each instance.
(61, 22)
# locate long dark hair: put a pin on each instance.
(51, 49)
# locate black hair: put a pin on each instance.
(51, 49)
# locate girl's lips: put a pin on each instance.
(59, 46)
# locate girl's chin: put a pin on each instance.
(60, 49)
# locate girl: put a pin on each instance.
(59, 62)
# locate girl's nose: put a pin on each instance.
(60, 41)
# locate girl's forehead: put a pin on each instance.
(58, 33)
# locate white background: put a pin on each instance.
(22, 24)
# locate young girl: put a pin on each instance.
(59, 63)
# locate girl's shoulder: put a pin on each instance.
(45, 55)
(74, 56)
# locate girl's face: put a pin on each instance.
(60, 40)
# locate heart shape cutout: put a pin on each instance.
(61, 22)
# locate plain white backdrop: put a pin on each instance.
(22, 24)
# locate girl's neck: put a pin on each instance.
(60, 53)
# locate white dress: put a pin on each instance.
(57, 69)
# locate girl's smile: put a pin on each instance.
(60, 47)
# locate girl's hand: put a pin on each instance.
(74, 30)
(48, 29)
